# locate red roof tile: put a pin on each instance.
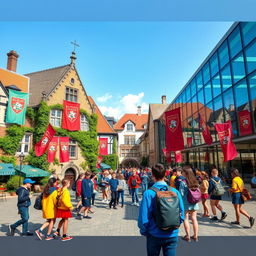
(102, 126)
(138, 120)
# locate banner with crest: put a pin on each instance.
(53, 145)
(173, 130)
(17, 106)
(64, 152)
(245, 123)
(71, 116)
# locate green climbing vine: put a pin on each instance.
(87, 140)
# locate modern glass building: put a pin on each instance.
(223, 85)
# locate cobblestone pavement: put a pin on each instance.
(123, 222)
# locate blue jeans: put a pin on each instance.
(23, 211)
(120, 194)
(168, 245)
(144, 187)
(135, 195)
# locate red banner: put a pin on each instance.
(205, 130)
(173, 130)
(167, 155)
(178, 156)
(52, 149)
(43, 144)
(225, 137)
(245, 123)
(71, 116)
(103, 146)
(64, 152)
(189, 142)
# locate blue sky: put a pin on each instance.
(121, 64)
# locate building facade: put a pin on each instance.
(222, 87)
(130, 128)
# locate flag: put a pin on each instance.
(225, 136)
(245, 123)
(71, 116)
(103, 146)
(43, 144)
(167, 155)
(178, 156)
(173, 130)
(99, 160)
(52, 149)
(189, 142)
(17, 106)
(64, 152)
(205, 130)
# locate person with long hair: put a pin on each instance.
(204, 191)
(48, 209)
(104, 186)
(120, 189)
(190, 182)
(79, 190)
(64, 207)
(215, 199)
(237, 200)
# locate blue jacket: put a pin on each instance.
(144, 179)
(212, 184)
(146, 222)
(178, 180)
(23, 197)
(87, 188)
(113, 184)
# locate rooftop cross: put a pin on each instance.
(75, 45)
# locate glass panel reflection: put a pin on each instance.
(250, 57)
(238, 68)
(216, 86)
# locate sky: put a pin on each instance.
(121, 64)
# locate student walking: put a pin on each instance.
(23, 205)
(134, 184)
(204, 191)
(64, 207)
(79, 190)
(120, 189)
(144, 180)
(216, 191)
(104, 186)
(48, 209)
(179, 178)
(113, 183)
(190, 182)
(95, 187)
(173, 177)
(157, 238)
(237, 200)
(87, 191)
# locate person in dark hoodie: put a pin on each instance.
(23, 205)
(113, 187)
(179, 178)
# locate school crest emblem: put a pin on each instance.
(173, 122)
(72, 113)
(17, 105)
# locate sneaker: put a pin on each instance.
(39, 234)
(214, 218)
(27, 234)
(251, 220)
(66, 238)
(87, 217)
(48, 238)
(235, 223)
(115, 208)
(223, 216)
(137, 204)
(79, 217)
(11, 230)
(56, 234)
(133, 203)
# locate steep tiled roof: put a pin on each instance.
(103, 126)
(44, 80)
(138, 120)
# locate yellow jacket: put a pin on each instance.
(64, 201)
(49, 205)
(237, 185)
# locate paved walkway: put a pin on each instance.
(123, 222)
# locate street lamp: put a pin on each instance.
(21, 157)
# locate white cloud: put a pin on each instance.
(104, 98)
(125, 104)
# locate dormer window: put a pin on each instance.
(129, 127)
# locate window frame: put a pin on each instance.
(23, 143)
(55, 117)
(73, 143)
(71, 96)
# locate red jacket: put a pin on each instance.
(138, 181)
(78, 187)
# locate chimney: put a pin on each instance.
(12, 60)
(164, 99)
(139, 111)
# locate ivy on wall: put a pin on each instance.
(87, 140)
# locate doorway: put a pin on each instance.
(70, 174)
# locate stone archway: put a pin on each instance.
(130, 162)
(70, 172)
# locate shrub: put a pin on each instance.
(13, 182)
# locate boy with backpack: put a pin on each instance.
(216, 191)
(134, 184)
(161, 214)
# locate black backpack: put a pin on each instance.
(167, 215)
(38, 202)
